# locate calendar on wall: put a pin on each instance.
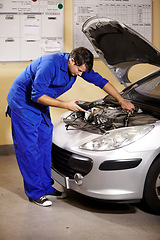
(137, 14)
(30, 28)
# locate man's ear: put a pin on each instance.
(72, 61)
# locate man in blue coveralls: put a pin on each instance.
(33, 91)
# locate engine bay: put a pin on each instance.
(101, 117)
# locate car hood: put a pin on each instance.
(119, 46)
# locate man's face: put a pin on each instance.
(74, 69)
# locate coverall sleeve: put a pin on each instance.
(44, 75)
(95, 78)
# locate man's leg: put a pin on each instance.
(44, 161)
(25, 137)
(45, 146)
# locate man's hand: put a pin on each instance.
(127, 106)
(73, 106)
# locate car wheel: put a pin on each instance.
(151, 195)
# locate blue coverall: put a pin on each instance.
(31, 122)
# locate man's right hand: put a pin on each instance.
(73, 106)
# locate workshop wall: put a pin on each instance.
(81, 89)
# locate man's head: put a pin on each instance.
(80, 60)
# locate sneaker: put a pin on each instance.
(42, 201)
(57, 194)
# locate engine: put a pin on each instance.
(101, 117)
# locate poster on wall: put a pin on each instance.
(137, 14)
(30, 28)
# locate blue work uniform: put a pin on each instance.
(31, 122)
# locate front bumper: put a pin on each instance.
(110, 180)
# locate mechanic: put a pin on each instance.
(33, 91)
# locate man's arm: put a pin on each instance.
(52, 102)
(126, 105)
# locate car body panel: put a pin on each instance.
(102, 185)
(125, 172)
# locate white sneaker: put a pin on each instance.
(42, 201)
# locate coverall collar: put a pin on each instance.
(64, 65)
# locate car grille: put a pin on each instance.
(69, 163)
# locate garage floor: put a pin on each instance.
(76, 218)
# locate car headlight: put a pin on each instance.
(117, 138)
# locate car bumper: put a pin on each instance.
(110, 179)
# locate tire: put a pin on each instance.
(151, 196)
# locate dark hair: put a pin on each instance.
(81, 56)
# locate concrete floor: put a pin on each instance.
(76, 218)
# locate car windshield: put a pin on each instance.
(150, 88)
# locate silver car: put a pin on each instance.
(106, 153)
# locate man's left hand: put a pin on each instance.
(127, 106)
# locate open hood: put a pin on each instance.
(119, 46)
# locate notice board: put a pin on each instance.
(30, 28)
(137, 14)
